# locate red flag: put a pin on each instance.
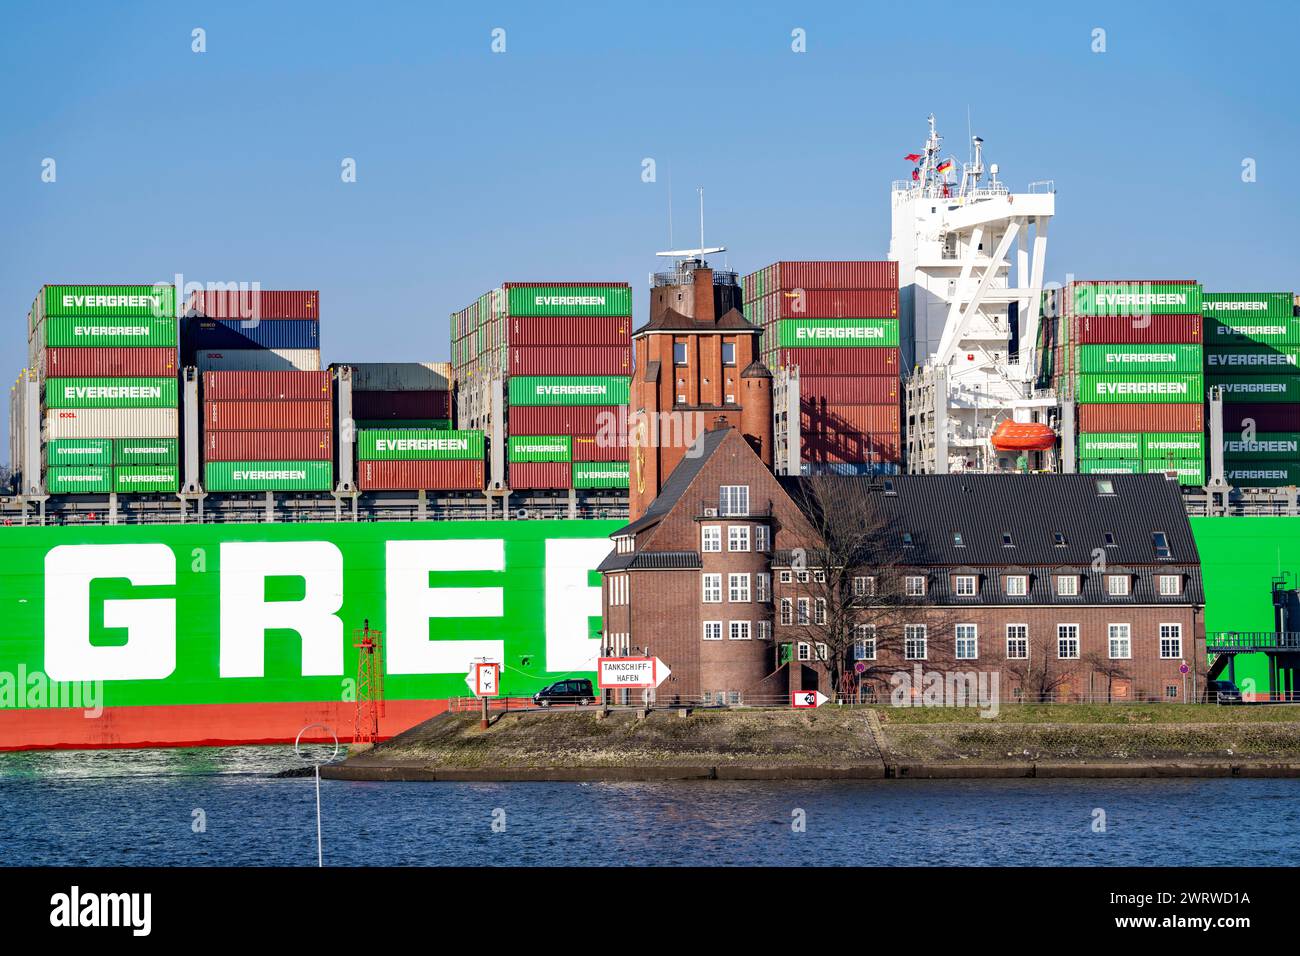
(912, 157)
(916, 174)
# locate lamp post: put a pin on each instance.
(320, 856)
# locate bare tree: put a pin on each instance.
(1039, 675)
(1108, 667)
(849, 584)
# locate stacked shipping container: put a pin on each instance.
(252, 330)
(1252, 345)
(1132, 358)
(393, 459)
(267, 431)
(106, 360)
(837, 322)
(401, 394)
(564, 351)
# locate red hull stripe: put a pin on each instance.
(197, 725)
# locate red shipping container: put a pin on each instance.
(420, 475)
(588, 448)
(543, 330)
(92, 363)
(523, 476)
(1136, 330)
(249, 304)
(831, 304)
(567, 420)
(395, 406)
(863, 419)
(1142, 418)
(1267, 418)
(268, 446)
(266, 386)
(849, 447)
(852, 361)
(267, 416)
(847, 274)
(571, 360)
(820, 390)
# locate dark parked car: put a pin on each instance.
(1222, 692)
(576, 691)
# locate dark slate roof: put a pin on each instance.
(671, 321)
(756, 369)
(652, 561)
(701, 451)
(1092, 587)
(1029, 507)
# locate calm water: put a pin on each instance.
(138, 807)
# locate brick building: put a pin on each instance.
(1068, 587)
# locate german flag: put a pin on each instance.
(944, 166)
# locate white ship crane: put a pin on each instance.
(968, 335)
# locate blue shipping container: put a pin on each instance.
(200, 334)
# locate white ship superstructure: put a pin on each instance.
(967, 333)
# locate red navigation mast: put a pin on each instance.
(370, 684)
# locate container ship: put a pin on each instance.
(207, 527)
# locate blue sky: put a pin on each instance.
(474, 167)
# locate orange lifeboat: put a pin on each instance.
(1023, 436)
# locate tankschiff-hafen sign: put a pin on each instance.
(205, 614)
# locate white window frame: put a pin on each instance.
(1073, 587)
(962, 582)
(819, 576)
(733, 501)
(1075, 635)
(911, 634)
(787, 577)
(804, 651)
(1171, 633)
(763, 587)
(819, 611)
(763, 630)
(787, 612)
(737, 537)
(711, 538)
(1021, 637)
(1122, 633)
(739, 631)
(915, 585)
(1022, 582)
(738, 584)
(964, 633)
(823, 652)
(762, 538)
(864, 642)
(803, 612)
(716, 627)
(1174, 580)
(864, 585)
(711, 583)
(1114, 580)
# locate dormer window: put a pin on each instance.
(1067, 585)
(1017, 585)
(1160, 541)
(965, 585)
(1117, 585)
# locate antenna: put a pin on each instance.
(670, 206)
(700, 190)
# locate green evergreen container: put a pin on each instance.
(537, 448)
(146, 479)
(1110, 445)
(1273, 474)
(601, 300)
(600, 474)
(418, 444)
(823, 333)
(85, 480)
(1127, 359)
(1190, 471)
(110, 393)
(1251, 330)
(1248, 305)
(568, 389)
(79, 451)
(1178, 444)
(1265, 446)
(99, 301)
(1136, 298)
(1110, 466)
(140, 331)
(1273, 388)
(1136, 389)
(1246, 359)
(145, 451)
(268, 476)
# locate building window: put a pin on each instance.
(805, 651)
(823, 653)
(738, 588)
(733, 698)
(1171, 691)
(1117, 585)
(1067, 641)
(739, 630)
(711, 537)
(618, 590)
(864, 642)
(762, 588)
(907, 539)
(914, 642)
(1171, 642)
(679, 353)
(1067, 585)
(957, 540)
(967, 642)
(763, 630)
(864, 586)
(1058, 539)
(1109, 538)
(819, 611)
(786, 577)
(1120, 640)
(713, 630)
(965, 585)
(1017, 585)
(1017, 642)
(1160, 542)
(762, 538)
(819, 577)
(803, 611)
(787, 612)
(733, 501)
(728, 353)
(802, 577)
(1007, 540)
(712, 588)
(1171, 585)
(738, 537)
(915, 585)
